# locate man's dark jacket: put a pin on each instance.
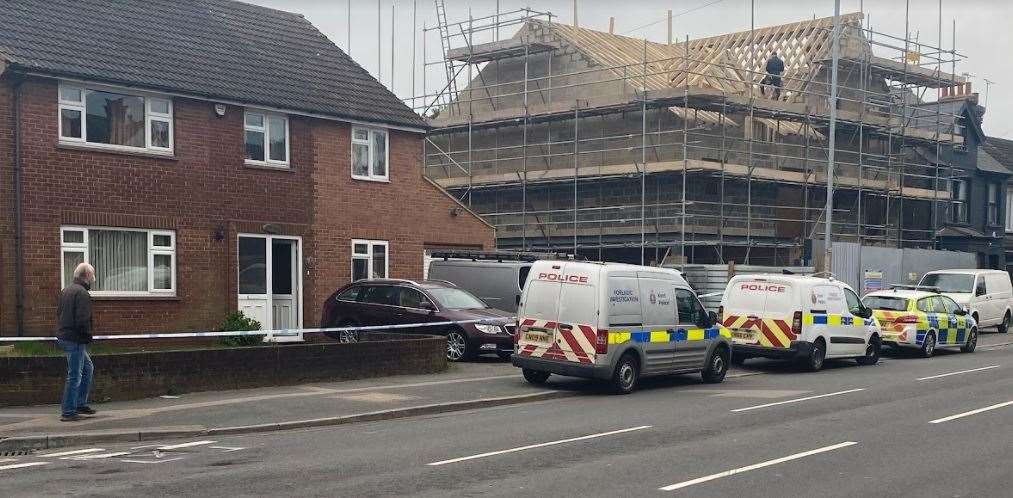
(73, 313)
(775, 65)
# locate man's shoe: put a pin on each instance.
(71, 418)
(85, 410)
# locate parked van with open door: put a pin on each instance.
(986, 294)
(794, 317)
(615, 322)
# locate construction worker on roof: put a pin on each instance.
(775, 66)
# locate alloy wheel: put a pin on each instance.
(456, 346)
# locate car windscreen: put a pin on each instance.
(456, 299)
(886, 303)
(949, 282)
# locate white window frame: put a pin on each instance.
(992, 197)
(369, 176)
(1009, 209)
(368, 256)
(266, 131)
(82, 247)
(81, 106)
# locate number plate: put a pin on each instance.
(537, 337)
(744, 335)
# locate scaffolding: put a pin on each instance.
(616, 148)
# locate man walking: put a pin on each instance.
(73, 317)
(775, 66)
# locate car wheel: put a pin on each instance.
(624, 379)
(1004, 326)
(871, 352)
(717, 367)
(817, 354)
(535, 377)
(348, 336)
(972, 342)
(929, 345)
(457, 346)
(504, 355)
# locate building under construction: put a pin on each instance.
(622, 149)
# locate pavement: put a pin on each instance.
(908, 426)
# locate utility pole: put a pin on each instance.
(835, 59)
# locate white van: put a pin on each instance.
(986, 294)
(796, 317)
(616, 322)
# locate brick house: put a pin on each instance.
(204, 156)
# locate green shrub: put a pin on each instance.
(237, 321)
(35, 349)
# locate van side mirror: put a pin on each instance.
(960, 312)
(712, 318)
(978, 291)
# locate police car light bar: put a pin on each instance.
(925, 288)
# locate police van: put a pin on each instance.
(795, 317)
(615, 322)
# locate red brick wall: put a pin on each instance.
(207, 189)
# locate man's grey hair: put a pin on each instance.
(85, 271)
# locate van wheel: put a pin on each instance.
(929, 345)
(871, 352)
(717, 367)
(972, 342)
(1004, 326)
(624, 380)
(535, 377)
(817, 354)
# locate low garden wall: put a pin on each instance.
(28, 380)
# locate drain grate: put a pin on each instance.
(13, 453)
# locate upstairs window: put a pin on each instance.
(1009, 209)
(958, 201)
(369, 154)
(992, 209)
(110, 118)
(266, 139)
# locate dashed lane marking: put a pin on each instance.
(539, 445)
(807, 398)
(768, 463)
(163, 460)
(73, 452)
(22, 465)
(96, 457)
(185, 445)
(959, 372)
(6, 460)
(227, 449)
(972, 412)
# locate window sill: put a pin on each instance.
(127, 297)
(171, 156)
(267, 166)
(371, 179)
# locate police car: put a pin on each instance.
(922, 318)
(795, 317)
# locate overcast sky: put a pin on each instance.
(982, 31)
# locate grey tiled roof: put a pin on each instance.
(1000, 149)
(218, 49)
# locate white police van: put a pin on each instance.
(615, 322)
(794, 317)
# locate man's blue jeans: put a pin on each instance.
(79, 372)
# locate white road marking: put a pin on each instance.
(972, 412)
(745, 374)
(22, 465)
(5, 460)
(768, 463)
(227, 449)
(959, 372)
(96, 457)
(164, 460)
(185, 445)
(539, 445)
(74, 452)
(807, 398)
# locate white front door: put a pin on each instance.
(270, 283)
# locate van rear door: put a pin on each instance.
(558, 313)
(760, 311)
